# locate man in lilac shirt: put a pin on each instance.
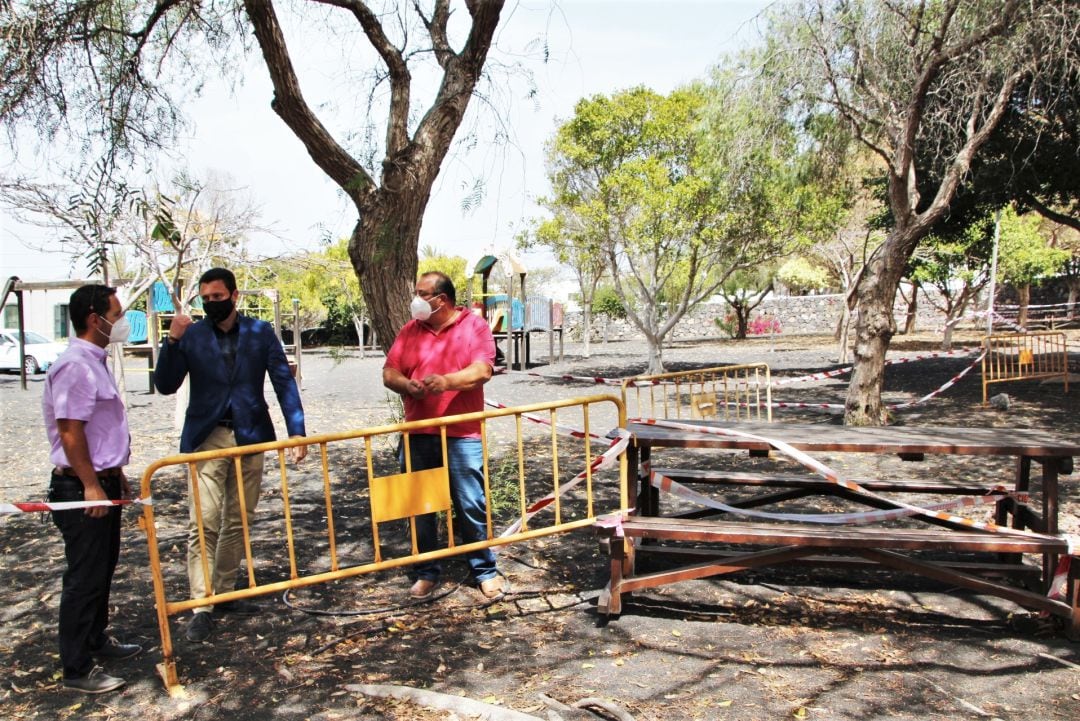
(89, 445)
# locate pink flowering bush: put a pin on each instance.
(763, 325)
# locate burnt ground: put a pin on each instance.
(774, 644)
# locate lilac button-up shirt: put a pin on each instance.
(80, 387)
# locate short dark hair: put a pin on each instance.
(443, 285)
(223, 274)
(86, 300)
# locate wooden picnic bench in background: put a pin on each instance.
(705, 542)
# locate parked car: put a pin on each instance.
(40, 351)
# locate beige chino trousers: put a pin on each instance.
(222, 524)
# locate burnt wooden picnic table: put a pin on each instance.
(693, 536)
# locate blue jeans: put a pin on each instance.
(467, 493)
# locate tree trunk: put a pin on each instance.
(656, 356)
(383, 252)
(875, 327)
(843, 330)
(946, 338)
(742, 320)
(1024, 292)
(912, 310)
(1074, 291)
(586, 325)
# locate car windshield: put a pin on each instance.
(31, 337)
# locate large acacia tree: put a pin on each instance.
(906, 75)
(112, 74)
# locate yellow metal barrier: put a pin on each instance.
(730, 392)
(1024, 356)
(524, 454)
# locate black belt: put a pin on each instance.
(67, 472)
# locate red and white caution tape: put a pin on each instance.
(605, 460)
(890, 361)
(668, 485)
(837, 407)
(833, 477)
(1059, 584)
(38, 507)
(540, 420)
(948, 384)
(565, 377)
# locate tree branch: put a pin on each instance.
(291, 107)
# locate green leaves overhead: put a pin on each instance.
(677, 192)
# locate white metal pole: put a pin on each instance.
(993, 275)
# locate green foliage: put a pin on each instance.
(504, 499)
(802, 276)
(607, 302)
(729, 324)
(744, 291)
(323, 282)
(963, 254)
(1024, 257)
(453, 265)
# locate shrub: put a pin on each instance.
(763, 325)
(606, 302)
(728, 324)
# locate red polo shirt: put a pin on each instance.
(420, 351)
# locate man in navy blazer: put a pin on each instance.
(227, 357)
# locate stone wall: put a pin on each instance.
(797, 315)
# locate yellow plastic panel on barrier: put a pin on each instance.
(409, 494)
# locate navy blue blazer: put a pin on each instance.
(258, 353)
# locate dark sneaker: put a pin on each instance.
(116, 651)
(239, 607)
(97, 681)
(200, 628)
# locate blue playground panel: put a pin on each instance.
(517, 312)
(137, 320)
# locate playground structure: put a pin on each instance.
(148, 326)
(161, 309)
(515, 319)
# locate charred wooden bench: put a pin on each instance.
(983, 560)
(791, 542)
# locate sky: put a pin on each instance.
(594, 46)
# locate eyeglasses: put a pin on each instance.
(426, 295)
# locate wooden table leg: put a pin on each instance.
(1050, 468)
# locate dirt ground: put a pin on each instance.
(774, 644)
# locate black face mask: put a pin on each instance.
(218, 310)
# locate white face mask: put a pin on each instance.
(120, 330)
(419, 308)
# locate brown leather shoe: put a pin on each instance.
(423, 589)
(493, 588)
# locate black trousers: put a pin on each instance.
(92, 548)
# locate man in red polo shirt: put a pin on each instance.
(439, 364)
